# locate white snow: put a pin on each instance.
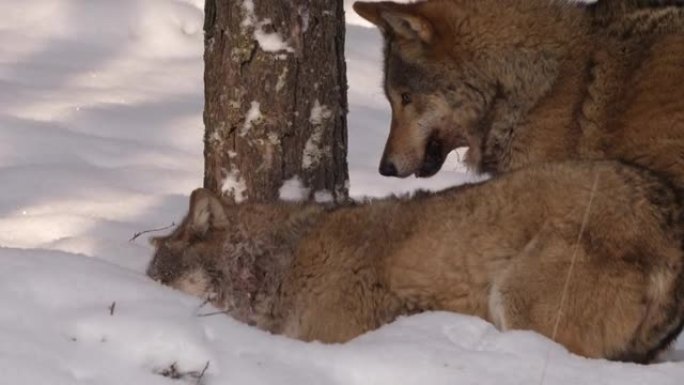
(281, 80)
(268, 41)
(101, 138)
(323, 196)
(234, 185)
(251, 117)
(293, 190)
(319, 113)
(248, 9)
(314, 150)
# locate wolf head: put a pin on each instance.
(233, 255)
(422, 99)
(450, 66)
(190, 258)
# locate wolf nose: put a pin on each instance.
(388, 169)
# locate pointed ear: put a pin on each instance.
(408, 26)
(206, 212)
(397, 19)
(370, 11)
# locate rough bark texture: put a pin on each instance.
(284, 60)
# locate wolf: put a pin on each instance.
(591, 257)
(521, 82)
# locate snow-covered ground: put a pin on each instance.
(101, 137)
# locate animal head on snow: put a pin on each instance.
(461, 72)
(227, 252)
(189, 258)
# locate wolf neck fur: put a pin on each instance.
(255, 266)
(540, 123)
(584, 113)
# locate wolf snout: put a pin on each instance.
(387, 168)
(153, 273)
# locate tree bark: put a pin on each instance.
(275, 98)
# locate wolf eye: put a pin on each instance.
(405, 98)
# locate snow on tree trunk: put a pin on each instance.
(275, 99)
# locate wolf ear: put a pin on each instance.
(206, 212)
(395, 18)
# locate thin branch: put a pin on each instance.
(213, 313)
(173, 373)
(201, 375)
(206, 301)
(566, 286)
(136, 235)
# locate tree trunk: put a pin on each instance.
(275, 99)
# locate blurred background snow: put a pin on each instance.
(101, 137)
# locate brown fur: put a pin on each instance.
(528, 81)
(500, 250)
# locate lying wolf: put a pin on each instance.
(589, 254)
(521, 82)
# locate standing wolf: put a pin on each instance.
(527, 81)
(499, 250)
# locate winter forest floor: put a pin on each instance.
(101, 137)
